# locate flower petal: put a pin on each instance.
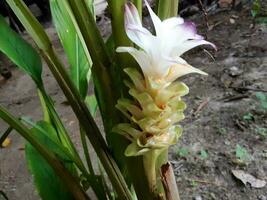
(174, 33)
(178, 70)
(190, 44)
(134, 29)
(181, 33)
(171, 23)
(131, 15)
(140, 36)
(140, 56)
(156, 20)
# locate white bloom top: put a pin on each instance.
(159, 55)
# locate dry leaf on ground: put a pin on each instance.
(6, 142)
(248, 178)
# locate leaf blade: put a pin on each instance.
(20, 52)
(48, 184)
(73, 44)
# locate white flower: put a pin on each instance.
(159, 55)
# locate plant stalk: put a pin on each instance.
(86, 152)
(106, 76)
(88, 124)
(174, 8)
(71, 92)
(169, 182)
(153, 161)
(62, 132)
(163, 8)
(167, 9)
(116, 8)
(150, 160)
(90, 33)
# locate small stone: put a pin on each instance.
(262, 197)
(225, 3)
(235, 16)
(209, 164)
(232, 21)
(6, 73)
(243, 190)
(198, 198)
(213, 196)
(235, 71)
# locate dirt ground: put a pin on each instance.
(226, 124)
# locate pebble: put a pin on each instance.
(213, 196)
(197, 198)
(232, 21)
(235, 71)
(262, 197)
(209, 164)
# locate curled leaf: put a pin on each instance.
(248, 178)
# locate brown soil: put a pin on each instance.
(225, 99)
(217, 120)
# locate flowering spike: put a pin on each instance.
(157, 106)
(153, 114)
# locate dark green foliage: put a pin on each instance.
(48, 184)
(20, 52)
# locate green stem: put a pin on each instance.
(150, 160)
(46, 116)
(61, 171)
(116, 8)
(167, 9)
(86, 152)
(163, 8)
(106, 76)
(174, 8)
(71, 92)
(153, 161)
(61, 130)
(102, 64)
(90, 33)
(88, 124)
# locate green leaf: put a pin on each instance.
(73, 44)
(264, 104)
(20, 52)
(43, 131)
(261, 20)
(248, 117)
(110, 44)
(241, 153)
(48, 184)
(261, 96)
(183, 152)
(256, 7)
(91, 102)
(203, 154)
(90, 5)
(262, 132)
